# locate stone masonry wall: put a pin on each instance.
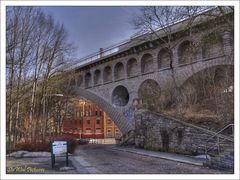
(156, 132)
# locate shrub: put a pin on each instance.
(46, 145)
(33, 146)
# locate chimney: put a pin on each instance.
(101, 52)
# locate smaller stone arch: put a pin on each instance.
(185, 52)
(107, 74)
(79, 80)
(97, 77)
(147, 63)
(164, 58)
(132, 67)
(73, 82)
(119, 71)
(120, 96)
(88, 78)
(212, 45)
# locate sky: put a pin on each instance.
(91, 28)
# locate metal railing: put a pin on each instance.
(217, 135)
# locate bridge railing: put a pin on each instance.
(97, 55)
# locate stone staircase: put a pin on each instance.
(224, 161)
(155, 131)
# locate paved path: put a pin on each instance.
(164, 155)
(104, 159)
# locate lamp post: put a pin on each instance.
(44, 110)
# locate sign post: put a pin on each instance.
(58, 148)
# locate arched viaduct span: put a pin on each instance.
(112, 78)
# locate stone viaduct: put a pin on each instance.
(113, 77)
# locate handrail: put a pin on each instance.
(218, 140)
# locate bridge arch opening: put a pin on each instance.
(150, 92)
(212, 45)
(207, 97)
(79, 80)
(120, 96)
(147, 63)
(132, 67)
(97, 77)
(186, 52)
(119, 119)
(119, 71)
(164, 58)
(88, 79)
(107, 74)
(72, 82)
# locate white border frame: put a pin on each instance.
(118, 3)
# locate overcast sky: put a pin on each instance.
(91, 28)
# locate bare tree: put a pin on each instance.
(37, 49)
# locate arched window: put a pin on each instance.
(132, 67)
(212, 46)
(88, 80)
(185, 52)
(107, 74)
(147, 63)
(164, 58)
(119, 71)
(97, 77)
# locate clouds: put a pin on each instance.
(91, 28)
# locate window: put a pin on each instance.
(81, 114)
(98, 121)
(96, 113)
(88, 122)
(98, 130)
(87, 113)
(109, 133)
(109, 121)
(80, 121)
(88, 130)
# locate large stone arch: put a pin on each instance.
(189, 72)
(119, 71)
(147, 63)
(107, 74)
(212, 45)
(118, 118)
(132, 67)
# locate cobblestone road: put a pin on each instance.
(103, 159)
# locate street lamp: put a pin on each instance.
(44, 109)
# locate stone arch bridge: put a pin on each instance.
(112, 78)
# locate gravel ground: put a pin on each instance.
(109, 161)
